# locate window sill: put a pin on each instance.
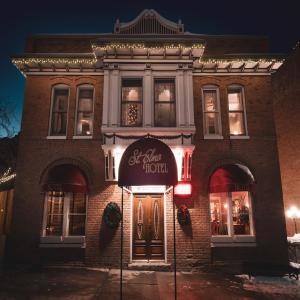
(82, 137)
(233, 241)
(213, 137)
(56, 137)
(239, 137)
(62, 242)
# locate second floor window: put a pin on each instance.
(132, 102)
(236, 108)
(164, 102)
(59, 112)
(84, 118)
(211, 111)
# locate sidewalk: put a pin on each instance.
(70, 283)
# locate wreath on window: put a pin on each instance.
(112, 215)
(183, 215)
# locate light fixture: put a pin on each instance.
(293, 213)
(183, 189)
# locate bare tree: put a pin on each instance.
(7, 119)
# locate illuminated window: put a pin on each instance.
(132, 102)
(59, 111)
(164, 103)
(231, 213)
(65, 214)
(236, 108)
(211, 111)
(85, 107)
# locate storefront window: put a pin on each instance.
(65, 214)
(231, 213)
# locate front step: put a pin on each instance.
(150, 266)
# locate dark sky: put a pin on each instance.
(280, 20)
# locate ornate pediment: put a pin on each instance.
(149, 22)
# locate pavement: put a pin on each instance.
(83, 283)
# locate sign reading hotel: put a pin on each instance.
(147, 162)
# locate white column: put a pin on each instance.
(148, 101)
(105, 113)
(115, 100)
(180, 101)
(189, 98)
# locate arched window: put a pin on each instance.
(59, 110)
(65, 204)
(84, 110)
(237, 111)
(230, 202)
(211, 112)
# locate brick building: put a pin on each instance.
(88, 97)
(286, 95)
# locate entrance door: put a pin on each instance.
(148, 227)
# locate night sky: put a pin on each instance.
(279, 21)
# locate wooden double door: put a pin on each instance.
(148, 227)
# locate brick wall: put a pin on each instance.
(259, 154)
(286, 94)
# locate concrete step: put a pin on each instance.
(150, 266)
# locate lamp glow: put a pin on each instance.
(183, 189)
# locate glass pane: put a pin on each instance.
(164, 90)
(211, 120)
(85, 104)
(60, 102)
(55, 207)
(165, 114)
(86, 93)
(236, 123)
(235, 100)
(240, 212)
(131, 114)
(77, 225)
(77, 203)
(59, 123)
(132, 90)
(219, 213)
(210, 100)
(84, 123)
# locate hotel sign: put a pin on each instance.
(148, 162)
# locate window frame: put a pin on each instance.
(79, 87)
(238, 136)
(156, 78)
(206, 135)
(232, 239)
(141, 102)
(59, 86)
(64, 240)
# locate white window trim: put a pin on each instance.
(205, 134)
(76, 136)
(246, 135)
(58, 86)
(64, 240)
(56, 137)
(232, 240)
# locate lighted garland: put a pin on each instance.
(112, 215)
(183, 215)
(6, 176)
(239, 60)
(145, 46)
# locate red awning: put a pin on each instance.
(65, 178)
(230, 178)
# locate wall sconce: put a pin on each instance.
(293, 213)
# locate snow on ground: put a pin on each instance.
(271, 285)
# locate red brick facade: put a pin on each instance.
(38, 154)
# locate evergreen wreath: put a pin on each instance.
(112, 215)
(183, 215)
